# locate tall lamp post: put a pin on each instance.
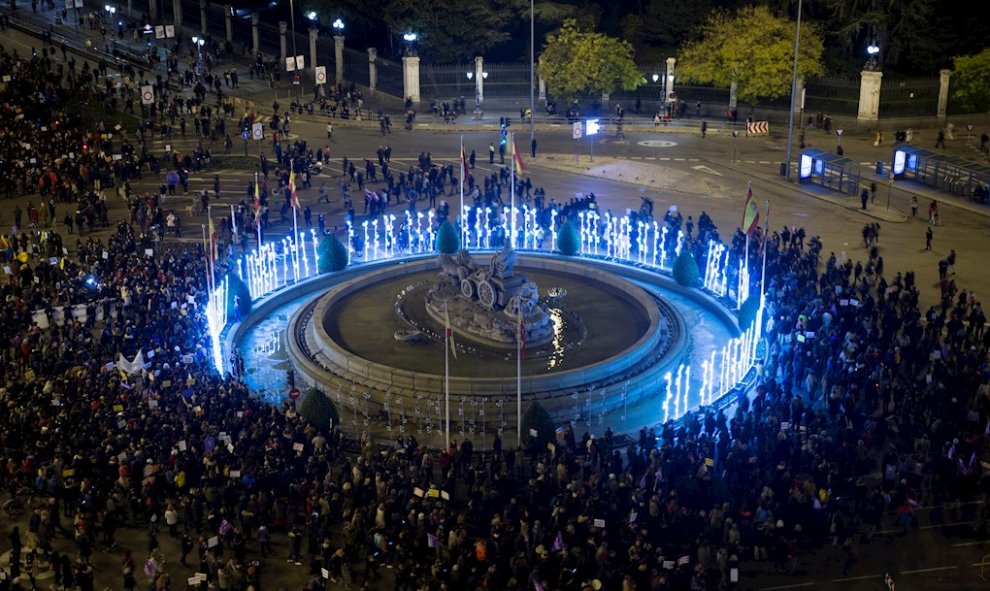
(790, 116)
(532, 52)
(198, 42)
(292, 18)
(338, 50)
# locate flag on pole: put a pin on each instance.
(213, 241)
(449, 332)
(257, 200)
(464, 165)
(522, 336)
(293, 194)
(751, 213)
(558, 543)
(517, 160)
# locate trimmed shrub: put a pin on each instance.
(319, 410)
(686, 269)
(237, 291)
(568, 239)
(448, 242)
(332, 254)
(537, 417)
(747, 312)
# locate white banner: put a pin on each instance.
(290, 64)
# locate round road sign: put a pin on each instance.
(321, 77)
(294, 394)
(148, 96)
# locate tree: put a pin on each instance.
(568, 239)
(238, 298)
(971, 81)
(448, 242)
(319, 410)
(331, 254)
(452, 31)
(537, 417)
(754, 49)
(686, 269)
(578, 63)
(664, 26)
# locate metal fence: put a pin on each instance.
(356, 67)
(507, 79)
(908, 96)
(839, 96)
(447, 81)
(390, 77)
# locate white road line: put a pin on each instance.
(970, 544)
(928, 570)
(862, 578)
(765, 162)
(678, 160)
(664, 158)
(795, 586)
(693, 160)
(651, 157)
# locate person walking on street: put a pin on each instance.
(914, 206)
(864, 196)
(532, 147)
(873, 192)
(330, 131)
(704, 128)
(940, 140)
(491, 153)
(928, 238)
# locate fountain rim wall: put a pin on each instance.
(354, 368)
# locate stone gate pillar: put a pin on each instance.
(255, 36)
(228, 22)
(410, 77)
(479, 79)
(869, 96)
(283, 45)
(372, 70)
(943, 94)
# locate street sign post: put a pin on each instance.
(147, 95)
(321, 74)
(258, 131)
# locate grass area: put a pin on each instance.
(94, 111)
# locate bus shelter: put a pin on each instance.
(948, 173)
(829, 170)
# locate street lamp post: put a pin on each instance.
(656, 80)
(292, 17)
(790, 115)
(532, 52)
(873, 50)
(198, 42)
(338, 50)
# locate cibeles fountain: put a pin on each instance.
(380, 334)
(489, 304)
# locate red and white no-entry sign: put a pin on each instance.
(294, 394)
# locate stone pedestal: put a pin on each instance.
(372, 69)
(479, 80)
(228, 22)
(410, 77)
(338, 58)
(943, 93)
(202, 17)
(313, 34)
(869, 96)
(283, 45)
(255, 36)
(669, 81)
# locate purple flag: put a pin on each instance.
(558, 543)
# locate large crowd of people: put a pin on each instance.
(112, 415)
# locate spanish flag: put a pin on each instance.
(449, 332)
(293, 194)
(751, 213)
(517, 159)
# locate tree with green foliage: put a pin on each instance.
(663, 26)
(238, 298)
(536, 417)
(686, 270)
(319, 410)
(576, 62)
(447, 241)
(331, 255)
(448, 31)
(753, 48)
(971, 81)
(568, 239)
